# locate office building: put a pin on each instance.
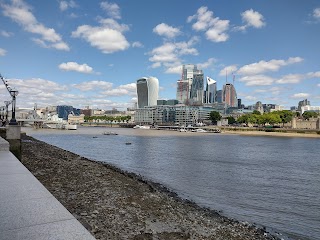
(147, 91)
(210, 94)
(229, 95)
(190, 86)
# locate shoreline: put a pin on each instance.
(271, 134)
(115, 204)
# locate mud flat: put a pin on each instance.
(113, 204)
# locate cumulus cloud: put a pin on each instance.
(206, 64)
(251, 18)
(228, 70)
(108, 37)
(73, 66)
(92, 85)
(168, 54)
(21, 13)
(2, 52)
(300, 95)
(215, 29)
(137, 45)
(267, 66)
(291, 78)
(112, 9)
(316, 13)
(122, 90)
(257, 80)
(167, 31)
(314, 74)
(64, 5)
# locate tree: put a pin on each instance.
(285, 115)
(215, 117)
(256, 112)
(306, 115)
(231, 120)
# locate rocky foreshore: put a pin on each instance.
(113, 204)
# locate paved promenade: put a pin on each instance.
(28, 211)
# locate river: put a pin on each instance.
(269, 181)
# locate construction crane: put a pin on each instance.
(6, 84)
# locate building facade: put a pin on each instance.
(190, 86)
(147, 91)
(229, 95)
(210, 94)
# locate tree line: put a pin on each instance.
(256, 118)
(105, 118)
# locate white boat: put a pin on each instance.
(200, 130)
(141, 127)
(70, 126)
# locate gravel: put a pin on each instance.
(114, 204)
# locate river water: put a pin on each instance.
(269, 181)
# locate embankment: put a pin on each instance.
(113, 204)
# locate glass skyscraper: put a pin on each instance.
(190, 86)
(229, 95)
(210, 94)
(147, 91)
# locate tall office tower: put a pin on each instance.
(303, 103)
(229, 95)
(239, 103)
(190, 86)
(147, 91)
(210, 94)
(219, 96)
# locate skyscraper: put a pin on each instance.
(147, 91)
(229, 95)
(210, 95)
(190, 86)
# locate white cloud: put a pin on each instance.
(137, 44)
(314, 74)
(316, 13)
(2, 52)
(93, 85)
(251, 18)
(108, 38)
(73, 66)
(169, 54)
(112, 9)
(122, 90)
(257, 80)
(64, 5)
(318, 84)
(206, 64)
(165, 30)
(21, 13)
(300, 95)
(5, 33)
(267, 66)
(291, 78)
(228, 70)
(215, 28)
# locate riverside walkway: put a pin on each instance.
(28, 211)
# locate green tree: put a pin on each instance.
(231, 120)
(256, 112)
(306, 115)
(215, 117)
(285, 115)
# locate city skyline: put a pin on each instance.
(83, 53)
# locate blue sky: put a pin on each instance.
(90, 53)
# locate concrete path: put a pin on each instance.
(28, 211)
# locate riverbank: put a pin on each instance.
(113, 204)
(272, 134)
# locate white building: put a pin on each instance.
(310, 108)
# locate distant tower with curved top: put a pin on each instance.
(147, 91)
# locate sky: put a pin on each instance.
(90, 53)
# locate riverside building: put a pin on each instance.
(147, 91)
